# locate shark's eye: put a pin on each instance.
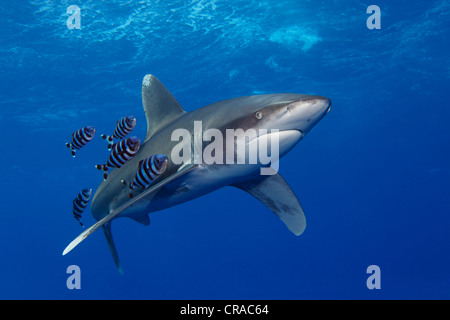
(258, 115)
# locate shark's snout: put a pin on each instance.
(329, 106)
(304, 114)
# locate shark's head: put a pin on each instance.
(293, 116)
(300, 112)
(286, 117)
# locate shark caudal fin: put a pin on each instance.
(112, 247)
(276, 194)
(160, 106)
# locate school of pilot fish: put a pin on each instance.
(121, 152)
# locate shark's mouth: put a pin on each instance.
(278, 141)
(280, 134)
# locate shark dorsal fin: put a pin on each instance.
(160, 107)
(276, 194)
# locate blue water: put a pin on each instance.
(373, 176)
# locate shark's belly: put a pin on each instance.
(201, 181)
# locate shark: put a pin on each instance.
(286, 116)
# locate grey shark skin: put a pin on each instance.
(294, 115)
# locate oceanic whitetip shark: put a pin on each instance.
(288, 116)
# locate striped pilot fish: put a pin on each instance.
(121, 152)
(148, 171)
(123, 127)
(80, 138)
(80, 203)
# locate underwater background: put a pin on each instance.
(373, 176)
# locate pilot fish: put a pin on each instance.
(80, 138)
(149, 170)
(123, 127)
(121, 152)
(80, 203)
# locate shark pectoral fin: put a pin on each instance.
(112, 246)
(276, 194)
(126, 205)
(160, 106)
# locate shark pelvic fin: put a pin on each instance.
(276, 194)
(112, 246)
(144, 219)
(160, 107)
(126, 205)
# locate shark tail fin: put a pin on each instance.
(112, 247)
